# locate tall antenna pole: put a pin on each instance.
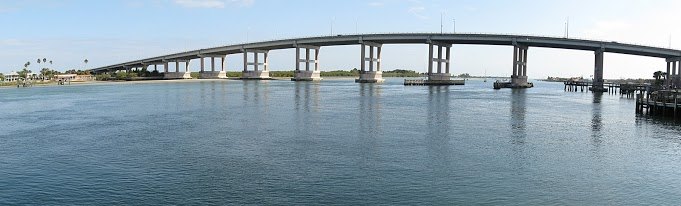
(440, 23)
(567, 28)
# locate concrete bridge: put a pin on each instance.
(371, 64)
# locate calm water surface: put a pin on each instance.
(331, 142)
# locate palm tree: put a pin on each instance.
(44, 60)
(657, 75)
(38, 62)
(44, 72)
(86, 61)
(50, 63)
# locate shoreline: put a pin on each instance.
(115, 82)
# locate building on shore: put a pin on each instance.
(74, 77)
(12, 76)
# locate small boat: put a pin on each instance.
(485, 76)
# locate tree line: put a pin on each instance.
(45, 71)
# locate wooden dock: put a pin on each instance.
(659, 103)
(628, 89)
(425, 82)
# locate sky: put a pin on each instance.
(113, 31)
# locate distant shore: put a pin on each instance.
(114, 82)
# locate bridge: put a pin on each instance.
(373, 43)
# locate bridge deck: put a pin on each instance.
(416, 38)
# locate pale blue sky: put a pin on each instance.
(108, 32)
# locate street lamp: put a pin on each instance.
(454, 26)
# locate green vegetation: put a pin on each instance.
(464, 75)
(351, 73)
(401, 73)
(127, 76)
(660, 77)
(238, 74)
(195, 75)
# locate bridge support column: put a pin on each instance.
(667, 81)
(201, 59)
(212, 74)
(439, 75)
(307, 75)
(177, 74)
(519, 76)
(255, 74)
(674, 83)
(673, 76)
(598, 72)
(370, 76)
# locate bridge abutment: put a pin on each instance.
(370, 76)
(256, 74)
(307, 75)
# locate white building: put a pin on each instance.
(12, 76)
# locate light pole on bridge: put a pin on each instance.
(332, 18)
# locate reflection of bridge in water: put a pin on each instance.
(439, 59)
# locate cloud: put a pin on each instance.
(214, 4)
(201, 3)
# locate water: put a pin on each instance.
(332, 142)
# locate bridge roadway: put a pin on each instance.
(521, 44)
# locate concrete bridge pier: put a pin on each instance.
(519, 76)
(673, 76)
(255, 74)
(598, 72)
(177, 74)
(212, 74)
(307, 75)
(439, 75)
(370, 76)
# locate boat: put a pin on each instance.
(485, 76)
